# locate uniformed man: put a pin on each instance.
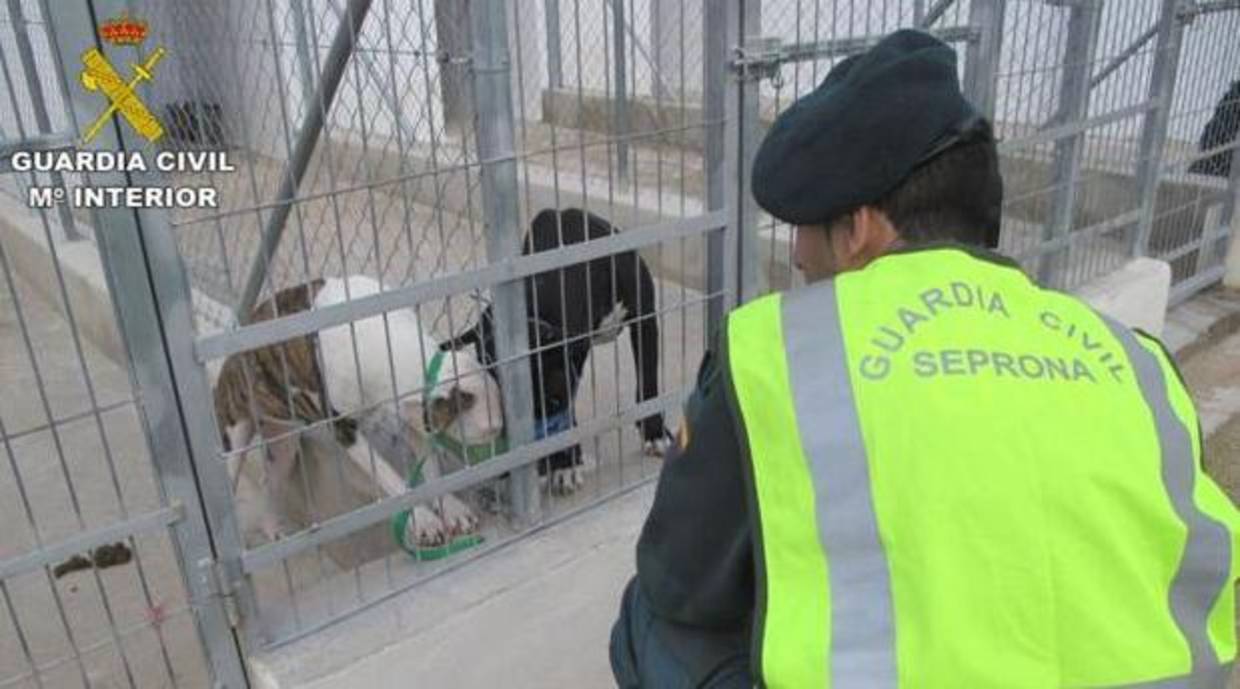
(922, 470)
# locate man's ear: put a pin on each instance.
(868, 235)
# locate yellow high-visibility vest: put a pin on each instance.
(964, 480)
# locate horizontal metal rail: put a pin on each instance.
(460, 561)
(1188, 287)
(818, 50)
(60, 141)
(1076, 236)
(338, 527)
(306, 322)
(84, 542)
(1208, 6)
(1064, 131)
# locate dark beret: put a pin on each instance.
(873, 119)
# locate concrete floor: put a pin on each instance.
(52, 616)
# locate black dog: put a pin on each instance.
(1223, 128)
(568, 310)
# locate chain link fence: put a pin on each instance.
(416, 143)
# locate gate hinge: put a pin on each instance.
(220, 586)
(758, 59)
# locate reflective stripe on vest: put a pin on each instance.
(1081, 558)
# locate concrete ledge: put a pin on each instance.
(1135, 295)
(28, 254)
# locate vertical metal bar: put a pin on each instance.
(751, 280)
(37, 103)
(1154, 125)
(719, 84)
(620, 99)
(139, 252)
(1079, 50)
(495, 132)
(981, 68)
(305, 70)
(555, 61)
(307, 137)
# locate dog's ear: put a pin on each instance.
(444, 410)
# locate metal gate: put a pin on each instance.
(414, 142)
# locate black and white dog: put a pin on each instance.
(569, 309)
(1222, 129)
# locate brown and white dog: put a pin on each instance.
(276, 391)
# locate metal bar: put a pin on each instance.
(499, 271)
(307, 138)
(131, 245)
(555, 61)
(341, 526)
(463, 560)
(937, 10)
(1187, 287)
(1209, 251)
(37, 103)
(981, 67)
(1109, 225)
(840, 47)
(751, 279)
(1154, 128)
(718, 83)
(305, 69)
(1072, 129)
(1208, 6)
(493, 126)
(89, 540)
(620, 101)
(1124, 56)
(1082, 41)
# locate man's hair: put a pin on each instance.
(955, 196)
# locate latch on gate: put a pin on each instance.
(759, 58)
(219, 586)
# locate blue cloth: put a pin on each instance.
(553, 424)
(647, 651)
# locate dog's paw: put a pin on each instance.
(272, 527)
(610, 327)
(457, 517)
(567, 481)
(425, 529)
(657, 447)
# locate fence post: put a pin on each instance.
(715, 78)
(981, 67)
(555, 62)
(39, 105)
(153, 307)
(743, 115)
(1154, 125)
(494, 128)
(620, 101)
(1230, 216)
(1231, 274)
(1083, 25)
